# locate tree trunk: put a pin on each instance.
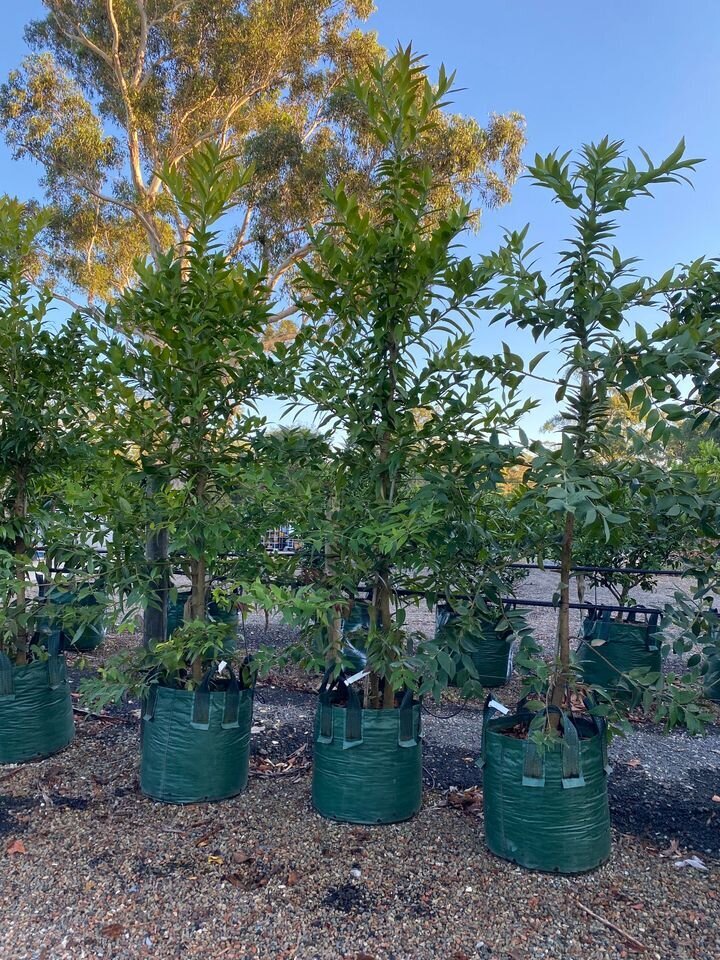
(198, 573)
(383, 600)
(334, 637)
(156, 555)
(562, 669)
(563, 635)
(198, 606)
(20, 514)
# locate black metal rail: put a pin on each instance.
(520, 601)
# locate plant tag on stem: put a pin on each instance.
(357, 676)
(500, 707)
(222, 665)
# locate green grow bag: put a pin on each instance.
(195, 745)
(546, 809)
(625, 646)
(367, 763)
(85, 635)
(489, 650)
(355, 629)
(36, 716)
(711, 678)
(176, 618)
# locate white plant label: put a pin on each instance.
(222, 665)
(500, 707)
(357, 676)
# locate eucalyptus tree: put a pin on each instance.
(115, 91)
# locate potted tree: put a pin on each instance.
(618, 642)
(45, 384)
(550, 756)
(485, 625)
(684, 350)
(388, 301)
(187, 375)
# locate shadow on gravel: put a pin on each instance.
(641, 806)
(349, 898)
(9, 824)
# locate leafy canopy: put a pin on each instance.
(385, 361)
(117, 90)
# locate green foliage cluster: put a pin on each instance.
(143, 421)
(114, 92)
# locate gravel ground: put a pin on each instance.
(90, 868)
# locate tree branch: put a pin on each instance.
(73, 32)
(142, 43)
(289, 262)
(287, 312)
(241, 241)
(133, 139)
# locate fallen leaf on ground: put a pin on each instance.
(359, 834)
(17, 846)
(634, 762)
(295, 763)
(241, 856)
(112, 931)
(469, 801)
(716, 798)
(672, 851)
(235, 879)
(293, 878)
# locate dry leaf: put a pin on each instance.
(672, 851)
(17, 846)
(236, 879)
(716, 798)
(293, 878)
(242, 857)
(214, 859)
(634, 762)
(112, 931)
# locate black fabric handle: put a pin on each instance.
(201, 700)
(353, 719)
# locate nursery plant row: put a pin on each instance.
(134, 446)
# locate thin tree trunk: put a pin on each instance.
(562, 672)
(198, 607)
(20, 513)
(563, 636)
(198, 568)
(334, 637)
(384, 598)
(156, 555)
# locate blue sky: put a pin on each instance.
(644, 71)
